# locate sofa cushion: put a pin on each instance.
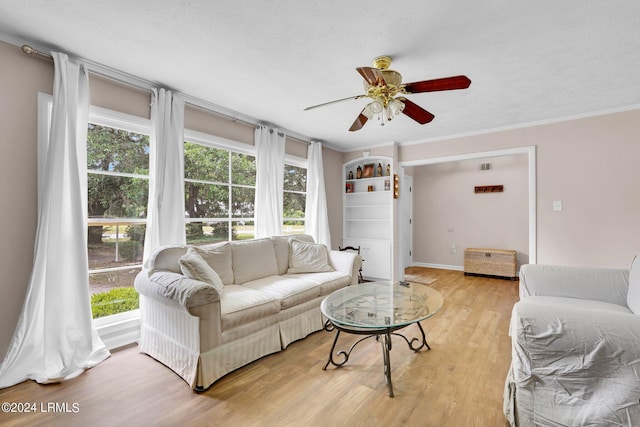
(281, 245)
(240, 305)
(218, 256)
(289, 290)
(328, 282)
(195, 267)
(253, 259)
(633, 294)
(305, 257)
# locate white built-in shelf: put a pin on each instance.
(368, 215)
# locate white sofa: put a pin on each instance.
(263, 294)
(575, 347)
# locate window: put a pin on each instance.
(220, 186)
(294, 198)
(117, 193)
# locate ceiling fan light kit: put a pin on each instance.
(382, 85)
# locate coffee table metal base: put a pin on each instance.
(416, 344)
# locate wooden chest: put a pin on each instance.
(491, 262)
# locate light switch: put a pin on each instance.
(557, 205)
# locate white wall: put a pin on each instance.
(591, 165)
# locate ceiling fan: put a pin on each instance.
(382, 85)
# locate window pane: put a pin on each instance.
(117, 196)
(243, 169)
(243, 202)
(205, 163)
(201, 233)
(228, 191)
(293, 205)
(115, 245)
(295, 178)
(243, 230)
(293, 227)
(117, 150)
(206, 200)
(113, 292)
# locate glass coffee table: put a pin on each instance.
(378, 309)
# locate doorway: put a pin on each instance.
(406, 208)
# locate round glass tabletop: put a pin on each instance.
(379, 305)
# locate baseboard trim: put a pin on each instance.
(438, 266)
(119, 330)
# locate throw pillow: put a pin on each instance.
(195, 267)
(305, 257)
(281, 245)
(218, 256)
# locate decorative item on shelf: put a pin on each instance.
(396, 186)
(350, 174)
(349, 187)
(368, 170)
(387, 186)
(388, 169)
(379, 169)
(489, 189)
(359, 172)
(371, 188)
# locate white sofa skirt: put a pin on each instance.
(172, 336)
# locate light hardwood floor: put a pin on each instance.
(459, 382)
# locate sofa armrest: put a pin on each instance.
(599, 284)
(346, 262)
(174, 289)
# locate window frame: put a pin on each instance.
(302, 163)
(123, 328)
(220, 143)
(116, 120)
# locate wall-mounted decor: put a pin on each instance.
(489, 189)
(396, 186)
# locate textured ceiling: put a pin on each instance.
(529, 61)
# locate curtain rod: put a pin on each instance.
(195, 102)
(31, 51)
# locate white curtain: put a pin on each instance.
(165, 213)
(269, 181)
(316, 221)
(55, 338)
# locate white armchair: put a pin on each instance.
(575, 347)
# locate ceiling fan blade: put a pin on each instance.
(358, 123)
(373, 76)
(333, 102)
(446, 83)
(416, 112)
